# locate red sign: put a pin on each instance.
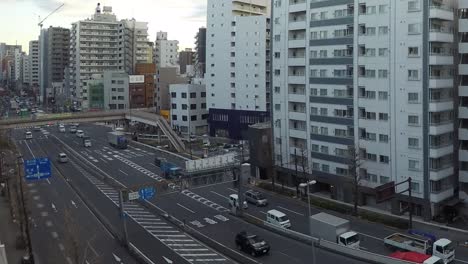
(385, 192)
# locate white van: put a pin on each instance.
(61, 128)
(28, 135)
(80, 133)
(62, 158)
(278, 218)
(234, 201)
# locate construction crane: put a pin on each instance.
(41, 22)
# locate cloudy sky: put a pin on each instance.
(180, 18)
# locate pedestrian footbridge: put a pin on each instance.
(140, 115)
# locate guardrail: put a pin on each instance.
(326, 245)
(3, 257)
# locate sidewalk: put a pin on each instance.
(8, 232)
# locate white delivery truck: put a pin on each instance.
(442, 248)
(334, 229)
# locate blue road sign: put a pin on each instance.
(147, 193)
(37, 169)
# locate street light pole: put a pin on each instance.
(25, 214)
(307, 185)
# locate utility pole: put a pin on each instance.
(25, 213)
(410, 203)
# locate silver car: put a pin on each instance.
(256, 198)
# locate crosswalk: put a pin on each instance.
(205, 201)
(179, 242)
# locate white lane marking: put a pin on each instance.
(54, 234)
(366, 235)
(54, 208)
(103, 160)
(262, 212)
(225, 197)
(27, 145)
(231, 189)
(49, 223)
(123, 172)
(47, 180)
(167, 260)
(294, 212)
(61, 247)
(74, 204)
(116, 258)
(461, 261)
(221, 218)
(185, 208)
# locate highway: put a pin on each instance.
(116, 163)
(59, 216)
(202, 207)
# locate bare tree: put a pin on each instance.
(354, 166)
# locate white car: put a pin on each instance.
(62, 129)
(80, 133)
(28, 135)
(62, 158)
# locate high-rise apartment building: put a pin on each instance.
(367, 80)
(26, 70)
(200, 52)
(102, 43)
(165, 51)
(237, 65)
(133, 38)
(58, 54)
(34, 63)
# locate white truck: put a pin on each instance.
(334, 229)
(117, 139)
(441, 248)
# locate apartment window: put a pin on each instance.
(313, 54)
(384, 159)
(323, 92)
(413, 75)
(323, 111)
(184, 95)
(277, 72)
(413, 164)
(193, 95)
(413, 51)
(413, 143)
(414, 28)
(315, 148)
(193, 118)
(184, 107)
(314, 111)
(415, 187)
(413, 5)
(341, 171)
(313, 91)
(193, 106)
(383, 74)
(383, 138)
(413, 120)
(323, 34)
(371, 157)
(173, 95)
(323, 15)
(413, 97)
(384, 179)
(174, 117)
(383, 9)
(277, 107)
(277, 55)
(184, 118)
(370, 31)
(383, 52)
(203, 94)
(383, 30)
(325, 168)
(370, 10)
(173, 106)
(324, 149)
(203, 105)
(340, 132)
(277, 89)
(324, 131)
(383, 116)
(323, 73)
(383, 95)
(314, 73)
(315, 166)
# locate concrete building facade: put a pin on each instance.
(108, 91)
(237, 56)
(58, 54)
(165, 51)
(134, 40)
(164, 78)
(34, 63)
(189, 114)
(200, 53)
(371, 80)
(186, 57)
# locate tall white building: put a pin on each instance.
(102, 43)
(375, 76)
(166, 52)
(26, 70)
(18, 65)
(237, 64)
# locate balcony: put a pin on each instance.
(463, 154)
(440, 106)
(440, 11)
(463, 25)
(463, 90)
(297, 25)
(463, 112)
(298, 7)
(441, 151)
(297, 98)
(298, 116)
(296, 79)
(463, 47)
(463, 69)
(440, 35)
(296, 61)
(440, 128)
(297, 133)
(440, 81)
(297, 43)
(436, 175)
(463, 176)
(440, 196)
(440, 59)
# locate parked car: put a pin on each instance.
(256, 198)
(252, 244)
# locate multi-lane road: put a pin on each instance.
(202, 208)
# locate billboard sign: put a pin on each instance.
(210, 163)
(136, 78)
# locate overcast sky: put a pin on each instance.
(180, 18)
